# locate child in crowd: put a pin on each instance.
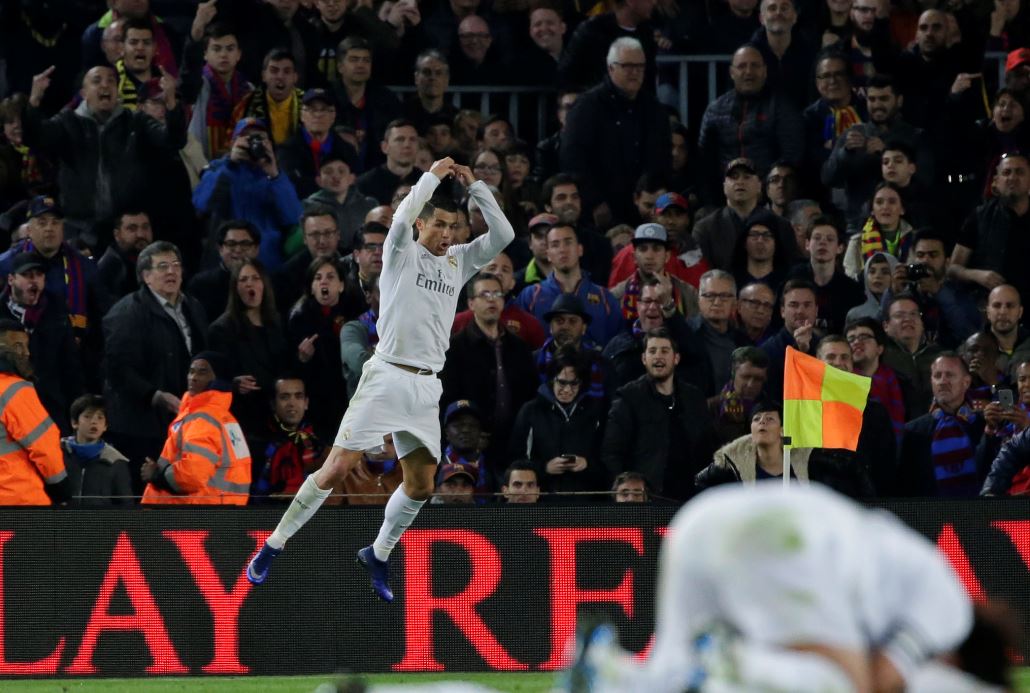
(99, 474)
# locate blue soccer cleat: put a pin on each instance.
(379, 571)
(257, 569)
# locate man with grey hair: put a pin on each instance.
(432, 77)
(581, 65)
(801, 214)
(150, 336)
(713, 331)
(616, 132)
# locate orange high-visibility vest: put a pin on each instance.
(30, 445)
(205, 458)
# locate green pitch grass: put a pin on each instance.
(511, 683)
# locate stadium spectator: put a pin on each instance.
(884, 232)
(561, 196)
(684, 260)
(478, 59)
(103, 152)
(301, 155)
(799, 309)
(205, 460)
(211, 82)
(485, 363)
(996, 234)
(937, 455)
(583, 66)
(759, 256)
(1002, 449)
(656, 308)
(246, 184)
(651, 253)
(337, 191)
(835, 293)
(515, 320)
(313, 332)
(868, 342)
(835, 112)
(659, 424)
(321, 239)
(713, 332)
(731, 28)
(238, 241)
(399, 145)
(33, 471)
(630, 487)
(136, 67)
(876, 276)
(363, 265)
(362, 104)
(466, 438)
(455, 484)
(731, 408)
(520, 484)
(755, 455)
(781, 187)
(559, 431)
(283, 27)
(97, 472)
(432, 77)
(151, 335)
(749, 120)
(756, 305)
(116, 269)
(358, 338)
(277, 101)
(541, 58)
(250, 335)
(800, 214)
(337, 22)
(123, 11)
(54, 357)
(910, 352)
(285, 449)
(718, 234)
(855, 164)
(616, 132)
(788, 54)
(548, 149)
(568, 321)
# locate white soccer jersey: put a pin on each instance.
(418, 290)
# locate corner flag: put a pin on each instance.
(822, 405)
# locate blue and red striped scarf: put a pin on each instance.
(887, 391)
(953, 452)
(368, 319)
(73, 285)
(222, 100)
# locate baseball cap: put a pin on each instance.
(44, 204)
(23, 262)
(544, 218)
(453, 469)
(650, 233)
(1020, 56)
(741, 162)
(461, 406)
(248, 123)
(670, 200)
(318, 94)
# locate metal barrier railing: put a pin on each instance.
(513, 99)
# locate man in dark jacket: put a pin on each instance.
(51, 343)
(487, 364)
(238, 241)
(102, 148)
(749, 120)
(580, 66)
(616, 131)
(787, 52)
(117, 267)
(150, 336)
(659, 425)
(365, 107)
(300, 157)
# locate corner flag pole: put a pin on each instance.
(786, 461)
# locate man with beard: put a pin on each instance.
(659, 424)
(55, 360)
(1004, 312)
(855, 164)
(799, 310)
(787, 53)
(568, 323)
(137, 67)
(32, 470)
(995, 239)
(561, 196)
(117, 267)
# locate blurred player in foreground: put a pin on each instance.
(399, 391)
(791, 590)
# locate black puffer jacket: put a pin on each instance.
(544, 430)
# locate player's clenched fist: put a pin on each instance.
(442, 168)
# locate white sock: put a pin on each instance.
(400, 513)
(308, 500)
(765, 667)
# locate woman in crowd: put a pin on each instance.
(879, 268)
(314, 332)
(250, 334)
(885, 231)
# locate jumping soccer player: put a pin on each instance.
(399, 391)
(798, 589)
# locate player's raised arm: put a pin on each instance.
(410, 207)
(499, 231)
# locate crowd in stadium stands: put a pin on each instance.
(217, 180)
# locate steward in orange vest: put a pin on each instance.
(31, 462)
(205, 459)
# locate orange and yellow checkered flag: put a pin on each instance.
(822, 405)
